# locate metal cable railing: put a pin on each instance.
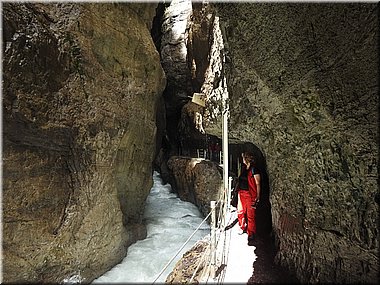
(220, 247)
(200, 262)
(216, 254)
(218, 237)
(183, 245)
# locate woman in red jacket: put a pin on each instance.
(249, 196)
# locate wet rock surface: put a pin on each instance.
(175, 29)
(82, 84)
(303, 83)
(188, 264)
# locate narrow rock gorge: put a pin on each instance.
(96, 95)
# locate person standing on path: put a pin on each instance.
(249, 196)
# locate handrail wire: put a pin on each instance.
(207, 268)
(208, 248)
(225, 253)
(206, 271)
(222, 258)
(221, 223)
(171, 260)
(222, 216)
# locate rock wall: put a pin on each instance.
(175, 28)
(196, 180)
(303, 87)
(187, 38)
(81, 86)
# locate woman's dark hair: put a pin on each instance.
(248, 156)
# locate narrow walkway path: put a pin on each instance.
(239, 257)
(249, 264)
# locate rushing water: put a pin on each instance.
(170, 222)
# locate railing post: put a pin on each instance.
(213, 238)
(229, 192)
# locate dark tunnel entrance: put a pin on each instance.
(263, 211)
(266, 248)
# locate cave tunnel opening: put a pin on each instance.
(263, 210)
(266, 248)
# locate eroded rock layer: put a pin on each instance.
(81, 86)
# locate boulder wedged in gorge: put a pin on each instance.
(196, 180)
(303, 87)
(81, 86)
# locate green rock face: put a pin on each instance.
(82, 83)
(303, 85)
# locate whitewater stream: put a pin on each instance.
(170, 222)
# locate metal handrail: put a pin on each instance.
(184, 244)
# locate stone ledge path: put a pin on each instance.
(249, 264)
